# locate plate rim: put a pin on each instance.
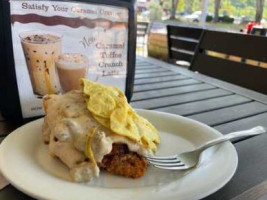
(199, 196)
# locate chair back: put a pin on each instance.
(233, 57)
(259, 31)
(182, 42)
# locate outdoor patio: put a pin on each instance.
(195, 71)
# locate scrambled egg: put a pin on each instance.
(110, 108)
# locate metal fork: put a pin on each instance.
(191, 159)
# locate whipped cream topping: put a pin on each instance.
(41, 38)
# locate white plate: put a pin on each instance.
(25, 162)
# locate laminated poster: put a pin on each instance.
(56, 43)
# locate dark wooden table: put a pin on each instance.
(223, 106)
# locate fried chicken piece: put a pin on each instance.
(121, 161)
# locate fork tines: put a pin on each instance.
(173, 157)
(166, 162)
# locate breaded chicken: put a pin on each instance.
(123, 162)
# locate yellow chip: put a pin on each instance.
(147, 128)
(102, 100)
(89, 86)
(148, 133)
(146, 141)
(123, 124)
(101, 104)
(88, 151)
(110, 108)
(103, 121)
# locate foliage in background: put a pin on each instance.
(217, 5)
(231, 12)
(167, 4)
(259, 10)
(236, 8)
(155, 11)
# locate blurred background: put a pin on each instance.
(222, 15)
(228, 14)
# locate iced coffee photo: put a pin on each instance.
(40, 51)
(70, 68)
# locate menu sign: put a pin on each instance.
(55, 43)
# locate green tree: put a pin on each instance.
(189, 5)
(155, 11)
(265, 11)
(197, 5)
(167, 4)
(217, 6)
(259, 10)
(174, 8)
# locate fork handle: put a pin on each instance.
(254, 131)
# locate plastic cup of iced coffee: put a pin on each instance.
(40, 49)
(70, 68)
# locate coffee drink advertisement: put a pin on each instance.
(55, 43)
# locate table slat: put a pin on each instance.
(229, 114)
(169, 84)
(145, 65)
(205, 105)
(140, 59)
(140, 62)
(156, 70)
(138, 76)
(159, 79)
(251, 170)
(171, 91)
(178, 99)
(209, 80)
(11, 193)
(248, 122)
(259, 192)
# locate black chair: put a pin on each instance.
(234, 58)
(259, 31)
(182, 44)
